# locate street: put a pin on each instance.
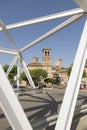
(41, 105)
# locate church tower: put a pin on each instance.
(58, 63)
(46, 59)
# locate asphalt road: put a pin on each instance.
(41, 105)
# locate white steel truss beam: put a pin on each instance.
(27, 72)
(8, 99)
(18, 71)
(45, 18)
(8, 51)
(8, 35)
(70, 97)
(82, 4)
(11, 106)
(54, 30)
(13, 43)
(11, 65)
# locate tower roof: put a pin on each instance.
(46, 49)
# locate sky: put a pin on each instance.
(63, 43)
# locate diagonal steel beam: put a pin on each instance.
(71, 94)
(8, 35)
(45, 18)
(11, 106)
(54, 30)
(82, 4)
(27, 72)
(13, 43)
(8, 51)
(11, 65)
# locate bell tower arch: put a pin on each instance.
(46, 59)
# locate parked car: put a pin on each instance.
(14, 85)
(83, 86)
(61, 86)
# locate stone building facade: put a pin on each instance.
(53, 71)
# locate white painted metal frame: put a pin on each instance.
(68, 104)
(11, 106)
(45, 18)
(18, 53)
(8, 51)
(11, 65)
(82, 4)
(54, 30)
(70, 97)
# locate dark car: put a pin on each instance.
(14, 85)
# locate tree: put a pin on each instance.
(49, 80)
(70, 69)
(5, 68)
(23, 76)
(36, 74)
(84, 73)
(12, 73)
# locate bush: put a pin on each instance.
(50, 80)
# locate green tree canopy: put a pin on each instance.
(70, 69)
(50, 80)
(23, 76)
(12, 73)
(5, 67)
(36, 74)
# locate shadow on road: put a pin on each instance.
(77, 117)
(43, 107)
